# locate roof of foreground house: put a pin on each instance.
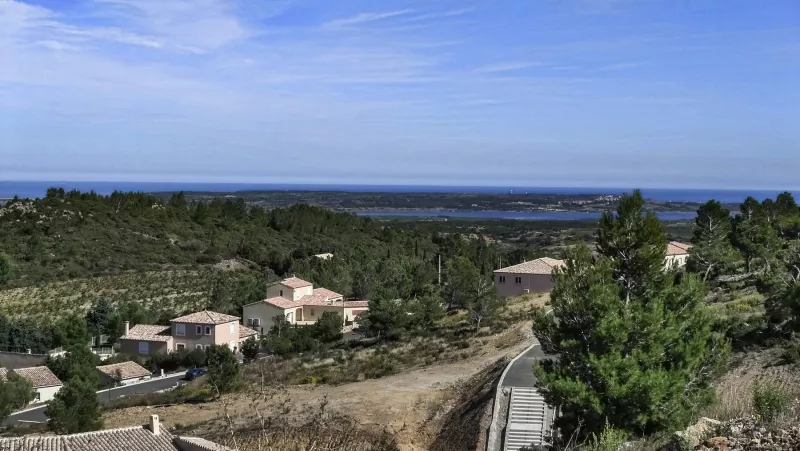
(137, 438)
(205, 317)
(39, 376)
(327, 293)
(678, 248)
(544, 265)
(127, 370)
(245, 332)
(148, 332)
(295, 282)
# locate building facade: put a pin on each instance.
(677, 254)
(299, 302)
(44, 382)
(535, 276)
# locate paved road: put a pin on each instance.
(37, 414)
(521, 372)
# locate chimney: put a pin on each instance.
(127, 327)
(155, 427)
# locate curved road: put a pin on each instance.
(36, 414)
(520, 374)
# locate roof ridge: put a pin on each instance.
(100, 432)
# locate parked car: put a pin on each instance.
(194, 373)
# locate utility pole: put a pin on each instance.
(440, 269)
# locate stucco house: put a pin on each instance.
(124, 373)
(535, 276)
(677, 254)
(43, 380)
(197, 330)
(152, 437)
(300, 303)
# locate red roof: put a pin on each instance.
(295, 282)
(282, 302)
(327, 293)
(678, 248)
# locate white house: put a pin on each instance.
(43, 380)
(300, 303)
(677, 254)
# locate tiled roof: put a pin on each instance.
(245, 332)
(327, 293)
(127, 370)
(678, 248)
(295, 282)
(148, 332)
(313, 299)
(206, 317)
(39, 376)
(282, 302)
(3, 373)
(129, 439)
(356, 304)
(543, 265)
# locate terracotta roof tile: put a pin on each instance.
(39, 376)
(127, 370)
(313, 299)
(543, 266)
(246, 332)
(206, 317)
(282, 302)
(678, 248)
(201, 443)
(148, 332)
(295, 282)
(330, 294)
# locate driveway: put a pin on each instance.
(36, 414)
(521, 372)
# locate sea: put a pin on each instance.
(33, 189)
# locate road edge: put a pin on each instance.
(491, 440)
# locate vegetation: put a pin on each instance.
(75, 408)
(223, 368)
(635, 342)
(15, 393)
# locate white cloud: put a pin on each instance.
(507, 66)
(364, 18)
(58, 45)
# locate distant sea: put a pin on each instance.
(9, 189)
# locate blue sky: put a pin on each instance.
(670, 93)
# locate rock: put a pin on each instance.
(694, 434)
(718, 443)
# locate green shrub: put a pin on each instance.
(791, 352)
(610, 439)
(770, 401)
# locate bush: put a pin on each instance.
(791, 352)
(610, 439)
(329, 327)
(770, 401)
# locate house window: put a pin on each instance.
(232, 345)
(38, 396)
(180, 346)
(207, 346)
(312, 312)
(180, 330)
(198, 347)
(502, 279)
(517, 279)
(233, 328)
(254, 322)
(199, 330)
(281, 293)
(208, 330)
(144, 347)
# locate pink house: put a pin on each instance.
(535, 276)
(194, 331)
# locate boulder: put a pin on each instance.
(694, 435)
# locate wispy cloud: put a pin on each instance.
(363, 18)
(507, 66)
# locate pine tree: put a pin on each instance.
(634, 342)
(711, 251)
(15, 393)
(75, 408)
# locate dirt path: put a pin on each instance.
(403, 403)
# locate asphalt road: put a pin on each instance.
(521, 372)
(37, 414)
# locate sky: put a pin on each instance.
(649, 93)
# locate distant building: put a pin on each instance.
(41, 378)
(677, 254)
(124, 373)
(324, 256)
(300, 303)
(152, 437)
(198, 330)
(535, 276)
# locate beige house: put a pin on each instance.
(300, 303)
(535, 276)
(43, 380)
(198, 330)
(153, 437)
(124, 373)
(677, 254)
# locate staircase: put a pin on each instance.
(529, 419)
